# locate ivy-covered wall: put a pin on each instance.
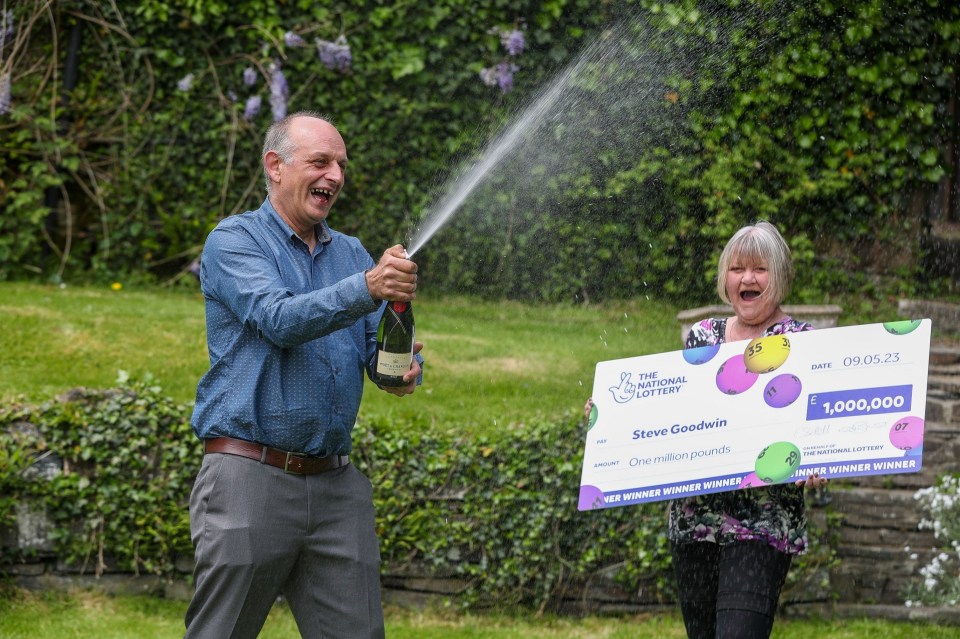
(129, 129)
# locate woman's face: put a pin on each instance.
(746, 281)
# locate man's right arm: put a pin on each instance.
(244, 276)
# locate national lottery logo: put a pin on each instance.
(646, 384)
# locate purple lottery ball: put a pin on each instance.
(733, 377)
(907, 433)
(700, 354)
(752, 481)
(782, 390)
(591, 497)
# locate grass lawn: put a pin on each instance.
(488, 363)
(83, 614)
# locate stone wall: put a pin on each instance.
(819, 315)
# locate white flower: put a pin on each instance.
(185, 82)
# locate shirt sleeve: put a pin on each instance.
(244, 275)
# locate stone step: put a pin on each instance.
(889, 509)
(940, 615)
(942, 414)
(944, 370)
(944, 355)
(946, 383)
(944, 315)
(858, 573)
(897, 541)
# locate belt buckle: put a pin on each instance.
(286, 463)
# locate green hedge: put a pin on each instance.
(499, 512)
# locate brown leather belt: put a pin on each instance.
(296, 463)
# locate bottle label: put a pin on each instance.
(393, 364)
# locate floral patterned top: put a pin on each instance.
(774, 514)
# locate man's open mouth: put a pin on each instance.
(324, 194)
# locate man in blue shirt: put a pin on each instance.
(277, 508)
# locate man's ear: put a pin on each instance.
(272, 162)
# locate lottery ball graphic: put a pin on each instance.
(593, 417)
(591, 498)
(902, 327)
(782, 390)
(907, 433)
(751, 481)
(733, 377)
(766, 354)
(777, 461)
(700, 354)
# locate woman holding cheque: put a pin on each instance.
(731, 550)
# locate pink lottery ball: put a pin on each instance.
(733, 377)
(752, 481)
(782, 390)
(907, 433)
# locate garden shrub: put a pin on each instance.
(940, 583)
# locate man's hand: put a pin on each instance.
(410, 377)
(394, 277)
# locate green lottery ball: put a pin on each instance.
(902, 327)
(777, 462)
(594, 413)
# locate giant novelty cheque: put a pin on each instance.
(842, 402)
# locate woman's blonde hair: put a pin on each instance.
(757, 244)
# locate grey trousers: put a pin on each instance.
(259, 532)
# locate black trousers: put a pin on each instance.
(730, 591)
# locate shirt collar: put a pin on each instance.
(322, 229)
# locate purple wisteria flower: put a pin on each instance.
(505, 72)
(252, 107)
(6, 99)
(6, 29)
(185, 82)
(249, 76)
(513, 41)
(335, 55)
(500, 75)
(279, 92)
(293, 40)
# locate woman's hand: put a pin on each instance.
(812, 481)
(587, 407)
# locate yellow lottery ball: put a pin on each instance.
(766, 354)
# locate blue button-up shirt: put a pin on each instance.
(290, 334)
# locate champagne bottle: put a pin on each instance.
(395, 337)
